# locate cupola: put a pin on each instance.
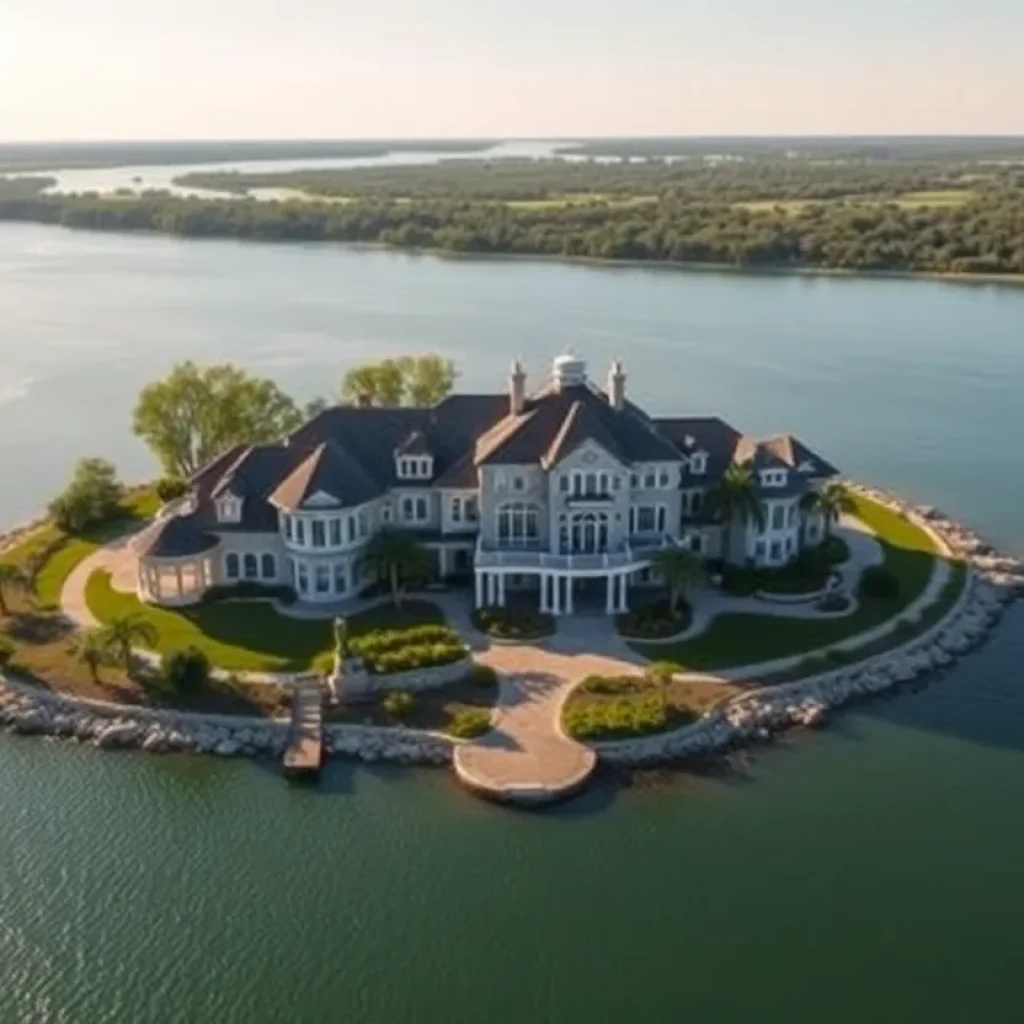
(569, 371)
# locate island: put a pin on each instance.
(519, 583)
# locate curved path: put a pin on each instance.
(526, 757)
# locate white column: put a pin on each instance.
(611, 582)
(479, 579)
(442, 561)
(568, 594)
(501, 590)
(556, 597)
(624, 593)
(490, 589)
(543, 580)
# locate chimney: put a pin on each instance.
(616, 386)
(516, 389)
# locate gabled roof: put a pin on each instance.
(327, 470)
(556, 420)
(709, 434)
(781, 451)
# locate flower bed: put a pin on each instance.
(388, 651)
(513, 623)
(654, 621)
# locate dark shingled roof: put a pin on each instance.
(328, 469)
(783, 451)
(701, 434)
(175, 537)
(415, 444)
(556, 420)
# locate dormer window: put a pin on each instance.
(698, 463)
(807, 466)
(773, 478)
(229, 509)
(415, 467)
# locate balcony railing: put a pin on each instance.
(637, 552)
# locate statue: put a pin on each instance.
(340, 641)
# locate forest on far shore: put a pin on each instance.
(932, 206)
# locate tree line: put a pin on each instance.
(851, 219)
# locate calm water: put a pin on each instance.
(868, 872)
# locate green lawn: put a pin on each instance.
(66, 551)
(745, 638)
(248, 635)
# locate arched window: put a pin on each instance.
(251, 567)
(588, 533)
(231, 566)
(269, 567)
(518, 524)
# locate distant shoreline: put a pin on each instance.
(667, 266)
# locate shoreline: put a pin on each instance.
(1009, 280)
(992, 582)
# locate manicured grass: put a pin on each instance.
(741, 639)
(940, 197)
(63, 551)
(248, 635)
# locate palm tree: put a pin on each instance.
(735, 499)
(91, 648)
(12, 577)
(398, 557)
(124, 632)
(831, 501)
(680, 569)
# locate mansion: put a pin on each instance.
(567, 492)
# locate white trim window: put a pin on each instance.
(415, 509)
(518, 525)
(229, 509)
(773, 478)
(698, 463)
(414, 467)
(647, 519)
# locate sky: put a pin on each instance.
(198, 69)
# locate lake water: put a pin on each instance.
(871, 871)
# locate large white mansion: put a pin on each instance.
(568, 491)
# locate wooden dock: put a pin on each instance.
(304, 753)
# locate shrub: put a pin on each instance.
(7, 650)
(654, 621)
(169, 488)
(879, 583)
(620, 718)
(323, 663)
(483, 676)
(92, 497)
(407, 659)
(398, 704)
(741, 582)
(612, 684)
(187, 670)
(515, 623)
(470, 722)
(662, 672)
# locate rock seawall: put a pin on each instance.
(992, 581)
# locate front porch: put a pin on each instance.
(558, 592)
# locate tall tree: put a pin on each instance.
(408, 380)
(399, 558)
(832, 501)
(680, 569)
(735, 500)
(92, 496)
(195, 413)
(12, 578)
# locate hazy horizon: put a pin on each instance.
(139, 70)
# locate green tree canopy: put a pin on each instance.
(195, 413)
(90, 498)
(408, 380)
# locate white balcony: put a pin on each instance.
(635, 555)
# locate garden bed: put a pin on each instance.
(655, 621)
(515, 622)
(461, 708)
(625, 707)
